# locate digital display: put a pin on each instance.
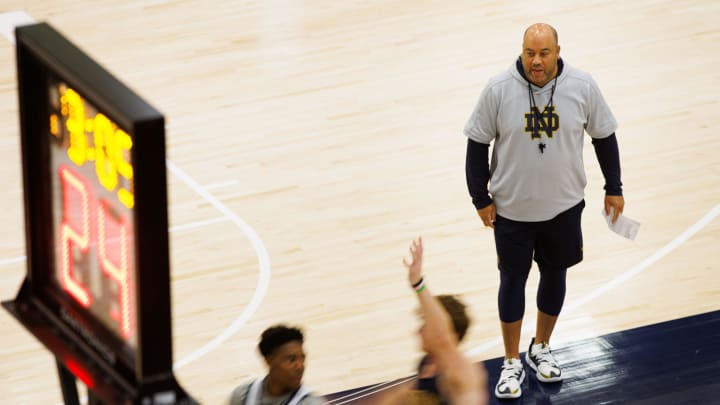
(92, 209)
(97, 287)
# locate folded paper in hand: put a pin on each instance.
(624, 226)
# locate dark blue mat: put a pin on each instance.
(674, 362)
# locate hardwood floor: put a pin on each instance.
(327, 135)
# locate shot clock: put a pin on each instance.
(92, 195)
(97, 287)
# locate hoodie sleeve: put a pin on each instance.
(608, 155)
(477, 173)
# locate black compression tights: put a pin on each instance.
(550, 296)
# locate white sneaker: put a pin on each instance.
(540, 359)
(511, 377)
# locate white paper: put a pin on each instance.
(624, 226)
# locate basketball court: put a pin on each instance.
(310, 141)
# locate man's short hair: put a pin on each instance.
(458, 314)
(276, 336)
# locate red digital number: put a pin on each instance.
(76, 229)
(113, 258)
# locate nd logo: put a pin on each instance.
(537, 122)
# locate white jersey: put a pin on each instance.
(537, 169)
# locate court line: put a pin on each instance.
(625, 276)
(8, 21)
(674, 244)
(172, 229)
(260, 251)
(263, 276)
(12, 260)
(621, 278)
(264, 262)
(387, 385)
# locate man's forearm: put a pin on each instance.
(477, 173)
(608, 155)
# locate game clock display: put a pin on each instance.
(92, 210)
(97, 288)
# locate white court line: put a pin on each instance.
(12, 19)
(13, 260)
(674, 244)
(263, 277)
(351, 395)
(260, 251)
(354, 397)
(8, 21)
(622, 278)
(617, 281)
(177, 228)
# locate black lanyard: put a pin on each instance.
(538, 122)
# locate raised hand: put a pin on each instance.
(414, 266)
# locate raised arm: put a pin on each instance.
(465, 382)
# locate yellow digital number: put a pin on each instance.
(73, 108)
(126, 197)
(122, 146)
(54, 129)
(105, 169)
(111, 145)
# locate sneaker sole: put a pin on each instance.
(539, 376)
(511, 395)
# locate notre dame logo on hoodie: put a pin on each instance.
(537, 123)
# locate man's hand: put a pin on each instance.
(414, 266)
(616, 203)
(487, 215)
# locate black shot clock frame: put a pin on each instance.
(97, 289)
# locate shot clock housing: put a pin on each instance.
(97, 287)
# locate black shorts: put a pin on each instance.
(556, 243)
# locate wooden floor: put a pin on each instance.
(310, 141)
(674, 362)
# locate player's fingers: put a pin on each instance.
(616, 214)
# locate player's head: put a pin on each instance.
(458, 316)
(540, 53)
(282, 348)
